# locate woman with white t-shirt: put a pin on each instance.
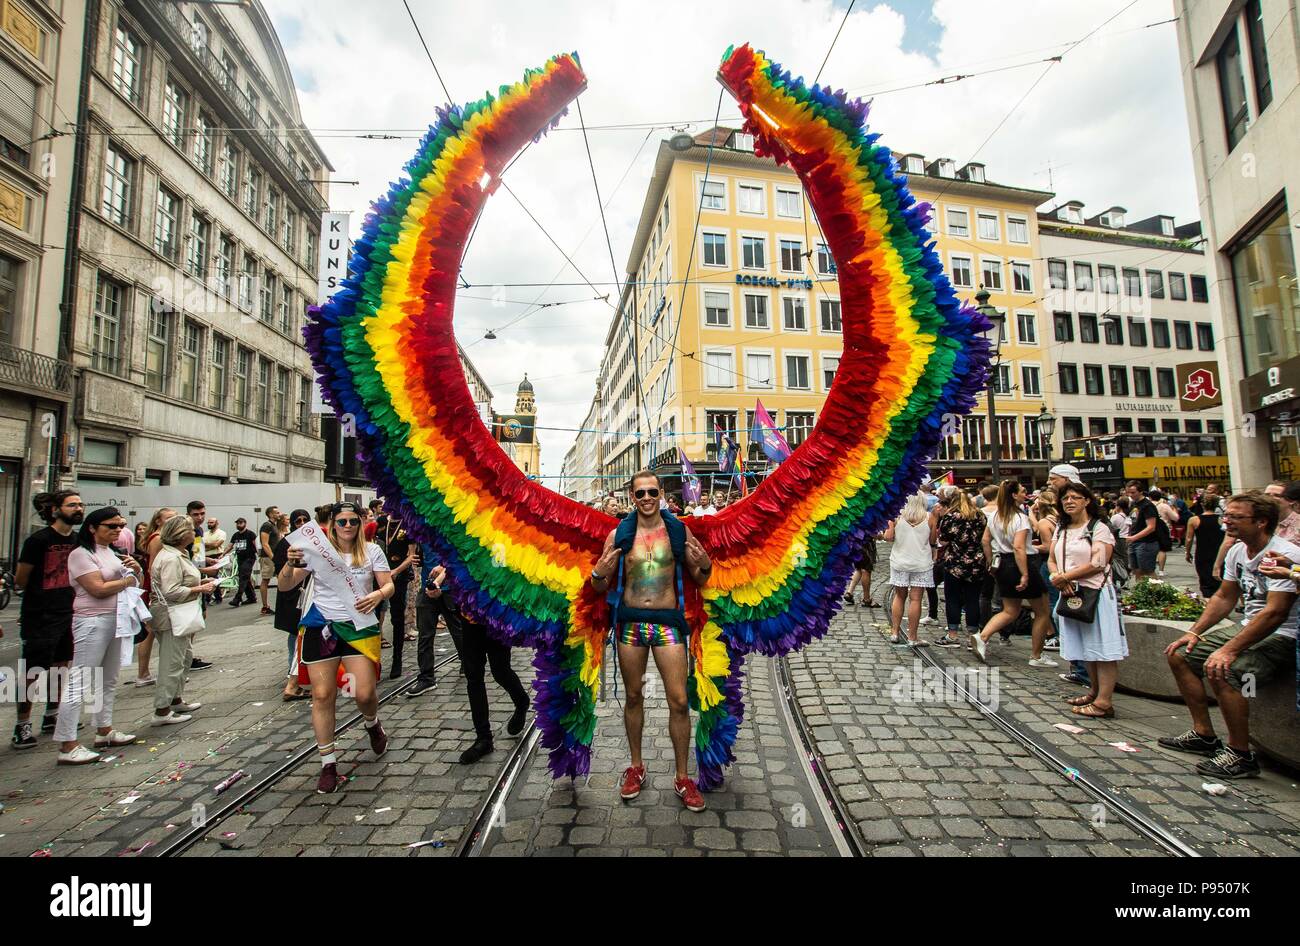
(1008, 546)
(1080, 557)
(98, 574)
(911, 567)
(334, 629)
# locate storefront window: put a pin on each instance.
(1268, 299)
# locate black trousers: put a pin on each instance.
(478, 650)
(397, 612)
(244, 585)
(426, 624)
(962, 594)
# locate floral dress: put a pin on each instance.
(963, 545)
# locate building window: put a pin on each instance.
(1200, 291)
(106, 330)
(1214, 426)
(1132, 283)
(272, 210)
(285, 312)
(1002, 379)
(798, 425)
(1165, 382)
(713, 195)
(1177, 287)
(750, 199)
(719, 369)
(1142, 382)
(281, 412)
(830, 315)
(791, 256)
(1204, 336)
(1194, 427)
(310, 243)
(252, 190)
(961, 272)
(1097, 427)
(1146, 425)
(1119, 381)
(1261, 266)
(988, 227)
(794, 314)
(958, 223)
(1106, 276)
(825, 261)
(1063, 326)
(203, 143)
(175, 115)
(1072, 428)
(1159, 333)
(225, 266)
(1093, 380)
(1022, 279)
(991, 274)
(289, 233)
(157, 348)
(247, 277)
(1169, 427)
(758, 370)
(796, 372)
(756, 312)
(1155, 284)
(718, 421)
(1017, 230)
(753, 252)
(830, 365)
(1183, 335)
(788, 203)
(1232, 88)
(1258, 54)
(10, 272)
(1123, 425)
(1114, 330)
(217, 365)
(304, 404)
(1056, 277)
(1083, 277)
(164, 224)
(715, 249)
(262, 394)
(1137, 333)
(229, 176)
(196, 254)
(1030, 380)
(1068, 376)
(1027, 328)
(190, 342)
(243, 364)
(266, 307)
(127, 54)
(1088, 329)
(119, 179)
(717, 309)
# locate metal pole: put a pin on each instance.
(993, 420)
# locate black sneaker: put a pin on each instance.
(198, 664)
(516, 724)
(475, 752)
(23, 738)
(1192, 741)
(49, 722)
(420, 689)
(1230, 764)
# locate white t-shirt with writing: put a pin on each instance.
(330, 592)
(1255, 587)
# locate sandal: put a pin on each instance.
(293, 697)
(870, 604)
(1084, 700)
(385, 644)
(1092, 711)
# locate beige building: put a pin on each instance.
(40, 62)
(1241, 75)
(199, 219)
(517, 432)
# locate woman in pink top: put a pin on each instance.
(98, 575)
(1079, 556)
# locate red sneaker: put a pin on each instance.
(633, 779)
(329, 779)
(689, 794)
(378, 739)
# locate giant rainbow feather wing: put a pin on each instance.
(518, 555)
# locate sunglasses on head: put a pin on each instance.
(643, 493)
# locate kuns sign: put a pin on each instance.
(334, 245)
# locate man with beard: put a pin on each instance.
(46, 613)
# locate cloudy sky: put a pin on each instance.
(1105, 125)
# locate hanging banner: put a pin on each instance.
(334, 246)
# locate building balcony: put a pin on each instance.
(29, 372)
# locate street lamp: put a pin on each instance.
(994, 334)
(1046, 426)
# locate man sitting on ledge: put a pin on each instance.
(1242, 660)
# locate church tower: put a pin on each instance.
(517, 432)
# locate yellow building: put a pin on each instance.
(756, 316)
(517, 432)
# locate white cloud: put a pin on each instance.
(1105, 118)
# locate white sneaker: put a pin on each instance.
(114, 739)
(979, 646)
(1053, 643)
(1043, 661)
(171, 719)
(186, 707)
(145, 681)
(928, 620)
(78, 756)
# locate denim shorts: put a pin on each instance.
(1142, 556)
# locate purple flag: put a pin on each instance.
(774, 445)
(690, 482)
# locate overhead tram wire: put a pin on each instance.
(831, 48)
(420, 36)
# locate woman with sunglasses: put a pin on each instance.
(98, 575)
(339, 626)
(288, 614)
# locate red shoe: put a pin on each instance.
(633, 779)
(329, 779)
(378, 739)
(689, 794)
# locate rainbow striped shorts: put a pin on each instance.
(646, 634)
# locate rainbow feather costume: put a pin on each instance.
(518, 555)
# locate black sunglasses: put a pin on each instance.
(643, 493)
(350, 521)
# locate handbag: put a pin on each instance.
(186, 618)
(1080, 603)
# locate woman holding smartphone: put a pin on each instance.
(335, 629)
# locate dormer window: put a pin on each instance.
(914, 164)
(742, 142)
(947, 168)
(1167, 226)
(1070, 213)
(1112, 218)
(975, 173)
